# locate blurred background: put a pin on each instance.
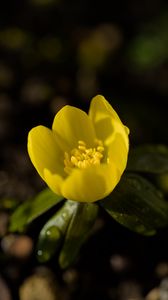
(57, 52)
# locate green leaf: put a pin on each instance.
(53, 232)
(137, 204)
(78, 231)
(148, 158)
(33, 208)
(161, 181)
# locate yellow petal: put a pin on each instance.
(100, 106)
(118, 153)
(91, 184)
(44, 151)
(106, 121)
(54, 181)
(71, 125)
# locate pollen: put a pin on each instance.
(83, 157)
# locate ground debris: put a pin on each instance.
(42, 285)
(4, 291)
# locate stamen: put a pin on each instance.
(83, 157)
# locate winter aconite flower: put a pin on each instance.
(83, 157)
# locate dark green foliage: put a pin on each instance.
(137, 204)
(32, 209)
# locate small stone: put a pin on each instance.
(162, 269)
(119, 263)
(70, 276)
(40, 286)
(164, 289)
(4, 291)
(130, 290)
(19, 246)
(153, 294)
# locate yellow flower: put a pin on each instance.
(83, 157)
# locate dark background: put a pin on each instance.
(55, 52)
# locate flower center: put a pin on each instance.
(83, 157)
